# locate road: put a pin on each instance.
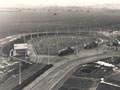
(49, 81)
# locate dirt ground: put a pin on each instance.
(52, 45)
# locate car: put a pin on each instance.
(90, 45)
(67, 51)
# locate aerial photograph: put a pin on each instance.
(59, 44)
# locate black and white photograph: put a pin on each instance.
(59, 44)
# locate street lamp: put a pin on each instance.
(20, 74)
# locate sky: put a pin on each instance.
(57, 2)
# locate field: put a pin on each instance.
(28, 21)
(56, 43)
(76, 84)
(93, 71)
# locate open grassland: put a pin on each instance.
(28, 21)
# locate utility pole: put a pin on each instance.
(38, 43)
(79, 31)
(37, 31)
(48, 47)
(31, 35)
(57, 40)
(76, 44)
(90, 31)
(20, 74)
(24, 40)
(48, 54)
(68, 31)
(57, 32)
(46, 32)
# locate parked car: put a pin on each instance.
(67, 51)
(90, 45)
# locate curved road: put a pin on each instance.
(48, 82)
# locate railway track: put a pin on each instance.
(27, 76)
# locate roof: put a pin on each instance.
(105, 64)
